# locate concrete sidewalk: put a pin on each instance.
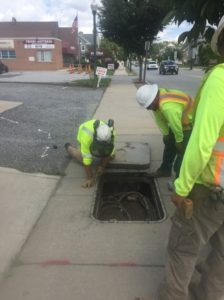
(51, 246)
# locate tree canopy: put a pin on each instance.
(201, 13)
(111, 49)
(131, 23)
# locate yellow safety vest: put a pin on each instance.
(176, 96)
(204, 157)
(218, 158)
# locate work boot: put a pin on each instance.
(160, 173)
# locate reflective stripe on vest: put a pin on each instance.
(218, 154)
(89, 132)
(86, 155)
(179, 98)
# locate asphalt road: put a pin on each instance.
(33, 135)
(187, 80)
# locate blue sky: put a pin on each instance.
(64, 12)
(172, 31)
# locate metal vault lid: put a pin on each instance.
(131, 155)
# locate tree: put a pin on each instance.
(131, 23)
(111, 49)
(197, 12)
(164, 50)
(207, 56)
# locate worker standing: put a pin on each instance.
(201, 179)
(172, 112)
(95, 139)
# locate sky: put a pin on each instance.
(64, 11)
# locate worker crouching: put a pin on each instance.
(95, 139)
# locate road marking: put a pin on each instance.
(6, 105)
(44, 154)
(11, 121)
(46, 132)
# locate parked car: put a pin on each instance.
(3, 68)
(168, 67)
(152, 65)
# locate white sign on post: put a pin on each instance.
(110, 66)
(100, 72)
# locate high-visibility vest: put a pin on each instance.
(214, 171)
(173, 96)
(85, 138)
(213, 174)
(207, 141)
(218, 157)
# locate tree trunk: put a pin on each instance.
(140, 68)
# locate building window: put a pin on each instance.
(83, 48)
(44, 56)
(7, 54)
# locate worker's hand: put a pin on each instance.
(99, 171)
(177, 200)
(179, 147)
(88, 183)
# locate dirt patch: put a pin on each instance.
(138, 84)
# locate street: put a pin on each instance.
(187, 80)
(33, 134)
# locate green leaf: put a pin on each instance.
(209, 33)
(169, 17)
(183, 36)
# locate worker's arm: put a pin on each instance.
(208, 122)
(173, 114)
(87, 163)
(90, 181)
(104, 162)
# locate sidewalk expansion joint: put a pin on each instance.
(65, 262)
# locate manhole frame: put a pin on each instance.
(158, 195)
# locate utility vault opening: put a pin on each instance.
(128, 197)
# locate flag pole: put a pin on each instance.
(77, 35)
(75, 30)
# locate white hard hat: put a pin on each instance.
(146, 94)
(216, 36)
(103, 133)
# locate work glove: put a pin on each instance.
(99, 171)
(179, 147)
(88, 183)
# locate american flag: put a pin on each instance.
(75, 24)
